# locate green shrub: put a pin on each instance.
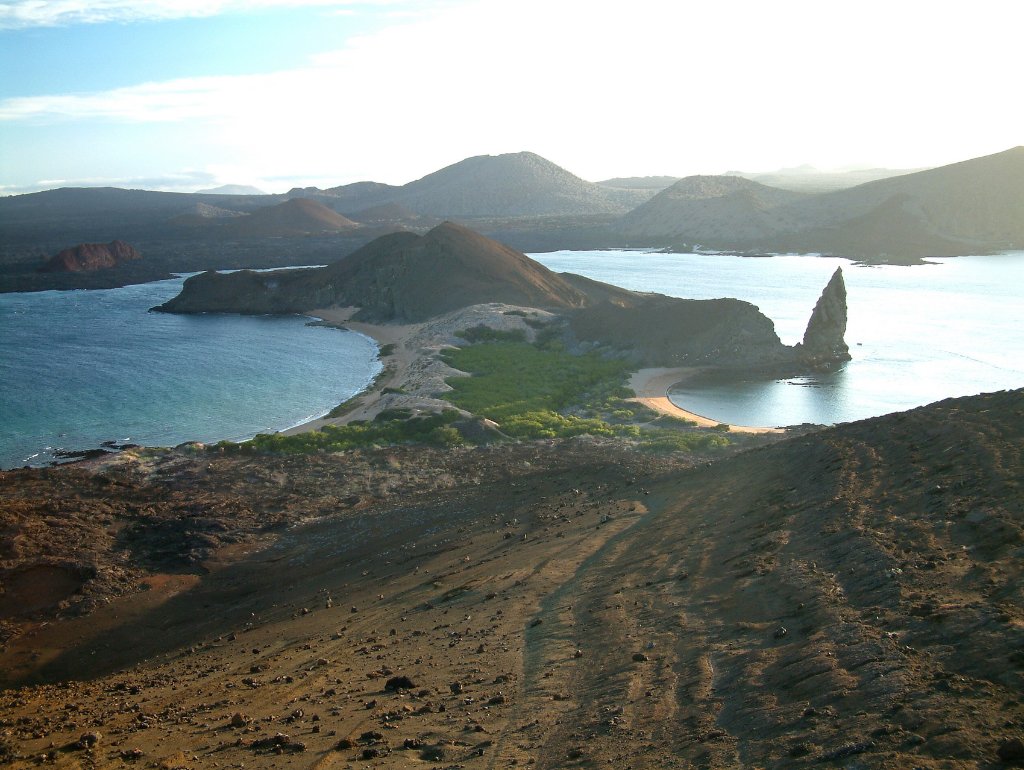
(483, 333)
(433, 428)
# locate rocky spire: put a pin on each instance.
(824, 339)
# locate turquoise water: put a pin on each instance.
(917, 334)
(83, 367)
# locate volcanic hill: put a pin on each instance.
(89, 257)
(402, 276)
(975, 206)
(299, 216)
(520, 184)
(725, 211)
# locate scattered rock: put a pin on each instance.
(399, 683)
(88, 740)
(1011, 750)
(849, 750)
(238, 719)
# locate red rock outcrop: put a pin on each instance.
(86, 257)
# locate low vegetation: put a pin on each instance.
(483, 333)
(541, 391)
(532, 391)
(393, 426)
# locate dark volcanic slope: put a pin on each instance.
(513, 185)
(851, 598)
(666, 331)
(401, 276)
(964, 208)
(714, 210)
(859, 592)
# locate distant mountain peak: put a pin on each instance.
(232, 189)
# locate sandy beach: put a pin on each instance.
(396, 366)
(652, 385)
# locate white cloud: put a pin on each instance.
(663, 88)
(18, 14)
(183, 181)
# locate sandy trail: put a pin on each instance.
(651, 387)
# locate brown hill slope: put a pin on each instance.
(846, 598)
(298, 216)
(401, 276)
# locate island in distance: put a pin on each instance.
(406, 277)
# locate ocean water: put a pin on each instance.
(917, 334)
(83, 367)
(80, 368)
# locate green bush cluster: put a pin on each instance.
(544, 392)
(483, 333)
(515, 378)
(394, 426)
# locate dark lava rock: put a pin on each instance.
(399, 683)
(88, 740)
(432, 754)
(1011, 750)
(848, 750)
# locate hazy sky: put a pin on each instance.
(183, 94)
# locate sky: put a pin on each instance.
(189, 94)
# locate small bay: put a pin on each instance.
(82, 367)
(917, 334)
